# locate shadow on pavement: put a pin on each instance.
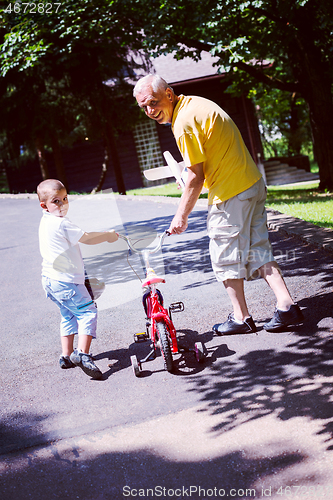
(185, 362)
(139, 474)
(294, 382)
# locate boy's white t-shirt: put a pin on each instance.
(58, 243)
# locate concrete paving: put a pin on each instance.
(254, 420)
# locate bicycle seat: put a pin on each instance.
(152, 278)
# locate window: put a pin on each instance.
(148, 148)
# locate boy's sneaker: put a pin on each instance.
(85, 362)
(283, 319)
(65, 362)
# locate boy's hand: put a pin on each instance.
(112, 236)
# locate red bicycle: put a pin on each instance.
(159, 326)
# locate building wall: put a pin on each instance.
(83, 162)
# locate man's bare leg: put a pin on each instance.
(272, 275)
(240, 321)
(287, 313)
(235, 290)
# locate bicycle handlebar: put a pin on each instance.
(146, 250)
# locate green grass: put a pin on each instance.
(162, 190)
(303, 201)
(170, 190)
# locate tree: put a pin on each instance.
(36, 114)
(284, 121)
(283, 44)
(71, 53)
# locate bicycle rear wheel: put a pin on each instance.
(165, 345)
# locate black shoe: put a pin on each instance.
(230, 326)
(283, 319)
(86, 363)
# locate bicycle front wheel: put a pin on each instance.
(165, 345)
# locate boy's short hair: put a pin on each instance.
(45, 187)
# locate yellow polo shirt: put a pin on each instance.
(205, 133)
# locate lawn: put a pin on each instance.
(301, 200)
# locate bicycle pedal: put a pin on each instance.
(176, 307)
(140, 337)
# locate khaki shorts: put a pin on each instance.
(238, 233)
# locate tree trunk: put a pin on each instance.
(295, 134)
(41, 158)
(317, 91)
(57, 156)
(312, 73)
(321, 119)
(110, 152)
(113, 154)
(105, 167)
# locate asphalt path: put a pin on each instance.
(254, 420)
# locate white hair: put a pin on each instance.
(157, 83)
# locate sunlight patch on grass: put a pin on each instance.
(306, 203)
(317, 212)
(170, 189)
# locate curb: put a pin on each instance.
(309, 233)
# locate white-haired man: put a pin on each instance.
(216, 156)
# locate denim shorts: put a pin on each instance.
(239, 243)
(78, 311)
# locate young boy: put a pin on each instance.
(63, 275)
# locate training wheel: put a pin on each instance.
(135, 366)
(200, 351)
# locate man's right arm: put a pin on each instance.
(192, 190)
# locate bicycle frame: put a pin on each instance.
(159, 313)
(154, 308)
(159, 326)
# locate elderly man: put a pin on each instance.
(215, 156)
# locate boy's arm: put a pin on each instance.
(95, 238)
